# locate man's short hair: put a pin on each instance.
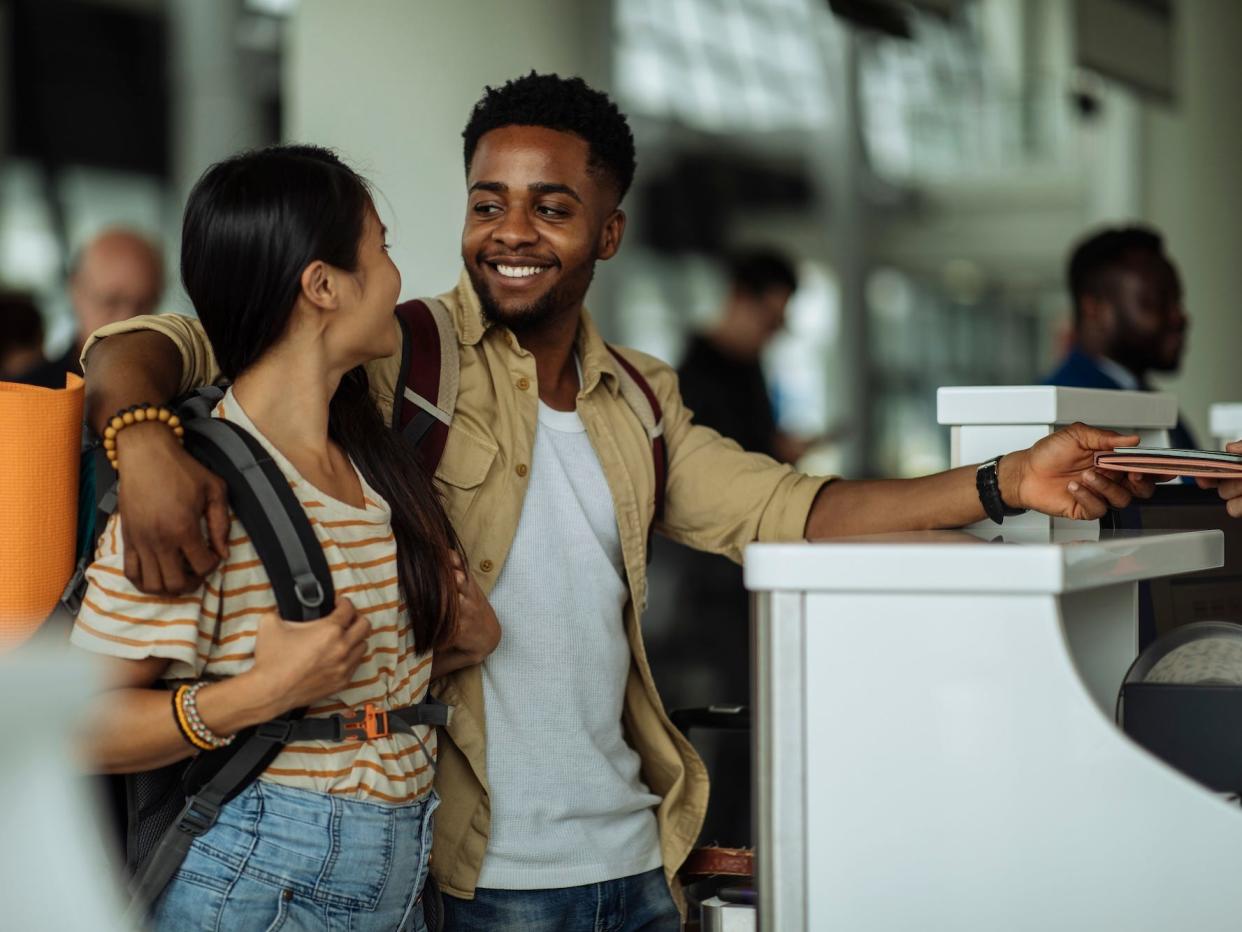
(1103, 252)
(568, 105)
(756, 270)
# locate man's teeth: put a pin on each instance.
(518, 271)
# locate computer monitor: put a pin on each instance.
(1209, 595)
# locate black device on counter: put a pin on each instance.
(1208, 595)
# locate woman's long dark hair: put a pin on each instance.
(252, 224)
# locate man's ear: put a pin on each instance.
(610, 236)
(1098, 314)
(320, 286)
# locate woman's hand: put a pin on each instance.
(478, 628)
(1057, 475)
(297, 663)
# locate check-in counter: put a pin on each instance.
(935, 744)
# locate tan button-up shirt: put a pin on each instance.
(718, 498)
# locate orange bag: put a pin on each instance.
(40, 445)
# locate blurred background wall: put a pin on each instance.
(928, 162)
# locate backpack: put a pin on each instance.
(428, 380)
(166, 808)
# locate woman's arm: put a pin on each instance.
(296, 664)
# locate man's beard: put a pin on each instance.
(533, 316)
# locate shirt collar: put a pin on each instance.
(597, 361)
(1118, 373)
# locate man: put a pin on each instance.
(721, 379)
(699, 636)
(117, 275)
(1129, 318)
(569, 801)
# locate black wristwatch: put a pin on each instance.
(987, 482)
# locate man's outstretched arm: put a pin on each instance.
(1055, 476)
(165, 493)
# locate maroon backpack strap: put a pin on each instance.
(426, 390)
(653, 423)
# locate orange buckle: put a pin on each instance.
(367, 723)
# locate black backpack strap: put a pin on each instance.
(641, 397)
(293, 558)
(266, 506)
(426, 391)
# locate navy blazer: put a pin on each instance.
(1078, 370)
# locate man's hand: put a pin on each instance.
(1057, 475)
(163, 497)
(478, 628)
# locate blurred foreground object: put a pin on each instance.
(54, 869)
(40, 445)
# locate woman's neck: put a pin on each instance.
(287, 394)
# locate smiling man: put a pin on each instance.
(569, 800)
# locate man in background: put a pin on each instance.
(1129, 319)
(721, 378)
(699, 624)
(117, 275)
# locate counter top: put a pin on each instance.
(980, 560)
(1050, 404)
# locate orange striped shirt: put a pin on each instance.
(211, 634)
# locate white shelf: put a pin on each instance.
(1051, 404)
(980, 560)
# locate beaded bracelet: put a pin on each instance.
(183, 725)
(187, 707)
(136, 414)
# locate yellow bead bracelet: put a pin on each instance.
(136, 414)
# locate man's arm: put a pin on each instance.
(1055, 476)
(721, 498)
(164, 492)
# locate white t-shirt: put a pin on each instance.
(568, 806)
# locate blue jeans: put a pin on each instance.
(631, 904)
(283, 858)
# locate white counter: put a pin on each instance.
(935, 747)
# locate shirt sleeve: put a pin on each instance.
(118, 620)
(198, 362)
(718, 497)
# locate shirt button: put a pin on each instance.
(486, 566)
(523, 383)
(522, 470)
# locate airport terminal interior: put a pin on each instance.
(737, 526)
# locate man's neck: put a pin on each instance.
(552, 345)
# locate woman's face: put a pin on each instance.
(365, 326)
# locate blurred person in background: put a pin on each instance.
(1129, 316)
(117, 275)
(722, 380)
(21, 338)
(701, 654)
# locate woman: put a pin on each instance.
(284, 258)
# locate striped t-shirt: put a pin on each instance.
(211, 634)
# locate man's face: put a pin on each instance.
(1149, 319)
(536, 222)
(117, 280)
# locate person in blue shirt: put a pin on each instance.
(1129, 316)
